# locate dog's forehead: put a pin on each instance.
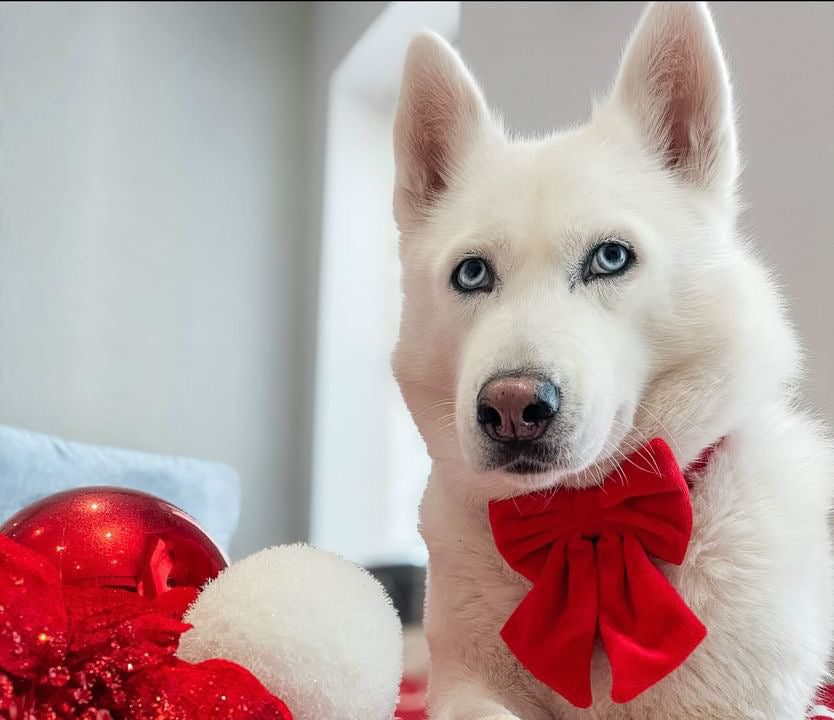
(550, 192)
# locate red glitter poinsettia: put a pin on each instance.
(108, 654)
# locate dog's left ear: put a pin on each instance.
(673, 81)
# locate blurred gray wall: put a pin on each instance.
(153, 160)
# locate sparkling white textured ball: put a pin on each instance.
(318, 631)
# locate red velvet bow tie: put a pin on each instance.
(587, 554)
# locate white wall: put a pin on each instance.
(538, 62)
(369, 464)
(335, 28)
(152, 178)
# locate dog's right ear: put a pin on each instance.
(440, 113)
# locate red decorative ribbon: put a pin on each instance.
(589, 556)
(99, 653)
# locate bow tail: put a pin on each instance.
(646, 627)
(552, 631)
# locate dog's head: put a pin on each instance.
(567, 297)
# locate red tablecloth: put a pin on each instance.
(413, 696)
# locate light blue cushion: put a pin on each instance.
(33, 466)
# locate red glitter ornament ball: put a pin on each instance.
(114, 537)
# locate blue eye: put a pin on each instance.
(610, 258)
(473, 274)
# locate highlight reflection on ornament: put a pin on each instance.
(115, 537)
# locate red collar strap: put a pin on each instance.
(697, 466)
(588, 554)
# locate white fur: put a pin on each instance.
(692, 344)
(318, 631)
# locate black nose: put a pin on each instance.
(517, 407)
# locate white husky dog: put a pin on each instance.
(567, 299)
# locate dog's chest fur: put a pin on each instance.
(757, 573)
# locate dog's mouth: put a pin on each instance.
(544, 463)
(526, 467)
(525, 458)
(549, 465)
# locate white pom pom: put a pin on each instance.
(319, 632)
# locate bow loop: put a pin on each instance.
(532, 524)
(586, 552)
(646, 628)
